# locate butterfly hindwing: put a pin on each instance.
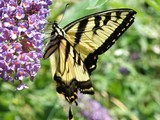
(71, 73)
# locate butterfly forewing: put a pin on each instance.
(96, 33)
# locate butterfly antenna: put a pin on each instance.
(67, 5)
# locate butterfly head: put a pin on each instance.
(56, 30)
(54, 26)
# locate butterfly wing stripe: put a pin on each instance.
(67, 50)
(80, 30)
(97, 23)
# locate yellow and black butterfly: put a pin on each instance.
(78, 45)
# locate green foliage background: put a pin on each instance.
(132, 96)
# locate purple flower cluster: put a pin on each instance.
(21, 38)
(92, 110)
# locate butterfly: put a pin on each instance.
(76, 48)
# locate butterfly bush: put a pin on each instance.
(21, 38)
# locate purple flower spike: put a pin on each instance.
(98, 113)
(21, 38)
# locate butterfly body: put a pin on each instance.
(78, 45)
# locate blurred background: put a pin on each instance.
(126, 81)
